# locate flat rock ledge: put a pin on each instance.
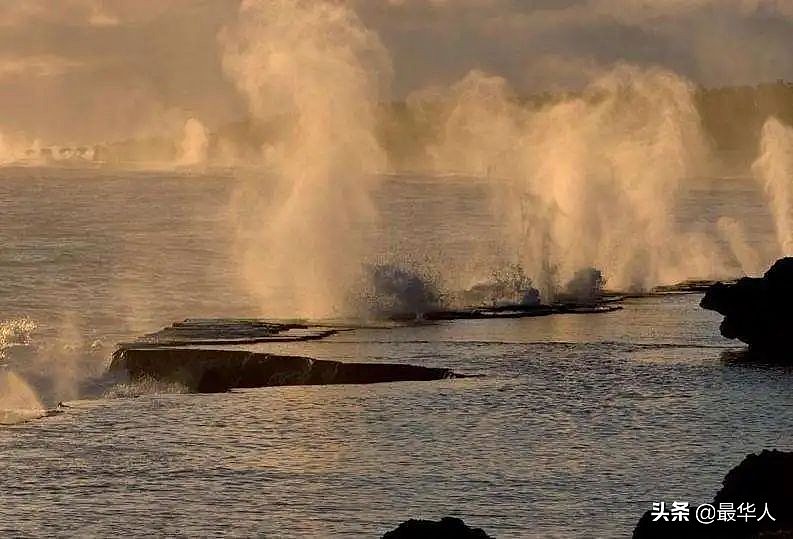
(761, 479)
(450, 527)
(218, 331)
(213, 371)
(604, 302)
(512, 311)
(204, 356)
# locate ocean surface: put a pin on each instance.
(575, 426)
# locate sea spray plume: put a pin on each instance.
(59, 364)
(14, 148)
(194, 145)
(6, 152)
(400, 291)
(18, 401)
(313, 64)
(734, 234)
(592, 179)
(15, 332)
(65, 364)
(603, 171)
(586, 287)
(482, 122)
(144, 386)
(507, 285)
(774, 169)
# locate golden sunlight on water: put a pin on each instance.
(488, 196)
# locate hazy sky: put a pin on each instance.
(87, 70)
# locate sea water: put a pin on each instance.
(575, 426)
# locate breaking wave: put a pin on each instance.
(144, 386)
(15, 332)
(396, 290)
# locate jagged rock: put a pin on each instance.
(447, 527)
(761, 479)
(212, 371)
(757, 311)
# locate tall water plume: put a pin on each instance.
(18, 401)
(774, 169)
(587, 180)
(733, 232)
(194, 145)
(17, 398)
(313, 68)
(13, 147)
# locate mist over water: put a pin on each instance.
(195, 143)
(734, 233)
(319, 194)
(18, 401)
(579, 184)
(577, 180)
(590, 179)
(774, 170)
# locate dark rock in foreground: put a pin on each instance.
(761, 479)
(211, 371)
(757, 311)
(453, 528)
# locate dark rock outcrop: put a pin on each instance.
(447, 527)
(211, 371)
(691, 286)
(195, 354)
(761, 479)
(757, 311)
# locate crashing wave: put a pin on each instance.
(506, 286)
(15, 332)
(144, 386)
(397, 291)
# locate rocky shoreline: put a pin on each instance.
(757, 311)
